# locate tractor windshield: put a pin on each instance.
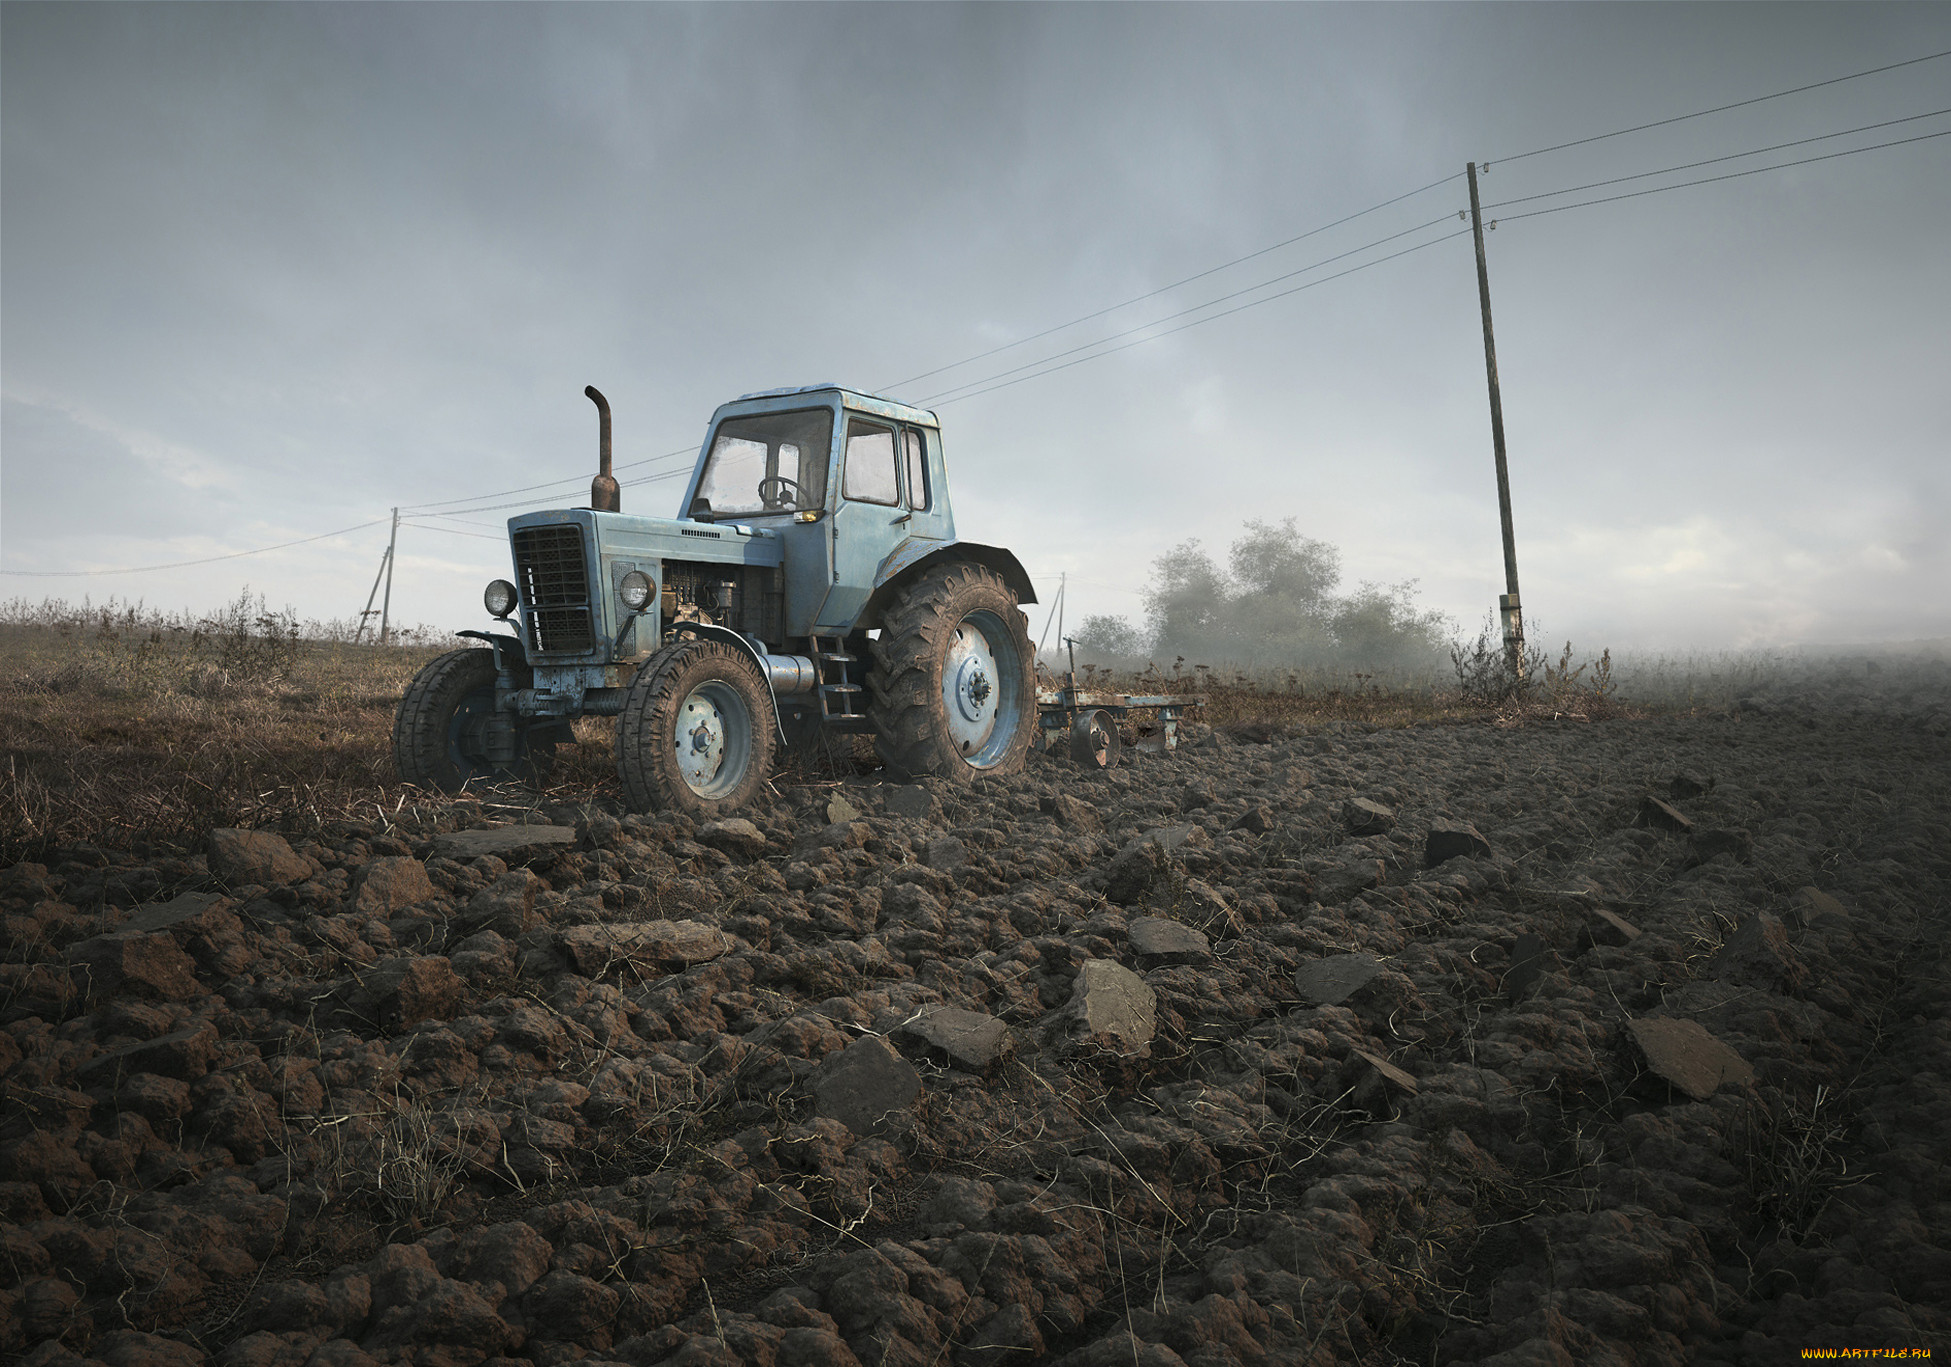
(769, 463)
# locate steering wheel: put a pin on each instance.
(772, 492)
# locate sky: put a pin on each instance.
(268, 272)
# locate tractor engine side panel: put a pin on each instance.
(747, 598)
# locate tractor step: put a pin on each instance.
(837, 696)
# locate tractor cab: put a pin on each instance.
(846, 480)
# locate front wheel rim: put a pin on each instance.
(712, 739)
(467, 733)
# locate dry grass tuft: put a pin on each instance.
(1795, 1158)
(117, 730)
(1261, 705)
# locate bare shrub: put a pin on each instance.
(119, 722)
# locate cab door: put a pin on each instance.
(921, 463)
(869, 518)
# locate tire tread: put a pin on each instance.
(905, 695)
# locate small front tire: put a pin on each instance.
(440, 730)
(696, 733)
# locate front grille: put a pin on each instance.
(560, 631)
(554, 583)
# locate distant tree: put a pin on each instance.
(1281, 604)
(1185, 608)
(1280, 562)
(1106, 635)
(1274, 604)
(1379, 625)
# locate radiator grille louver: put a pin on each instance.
(554, 583)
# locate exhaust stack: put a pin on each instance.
(604, 496)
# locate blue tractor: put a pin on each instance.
(812, 584)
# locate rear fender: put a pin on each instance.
(913, 557)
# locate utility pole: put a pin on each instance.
(385, 559)
(1062, 584)
(1055, 614)
(1507, 604)
(386, 605)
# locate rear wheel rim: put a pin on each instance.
(712, 739)
(978, 694)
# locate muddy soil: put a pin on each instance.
(1601, 1043)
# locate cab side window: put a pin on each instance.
(917, 469)
(871, 471)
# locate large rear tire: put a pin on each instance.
(440, 730)
(696, 733)
(953, 685)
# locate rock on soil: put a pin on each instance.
(1615, 1043)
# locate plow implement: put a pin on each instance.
(1090, 722)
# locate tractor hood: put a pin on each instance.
(731, 543)
(569, 562)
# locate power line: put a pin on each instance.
(1289, 275)
(1038, 367)
(1462, 232)
(451, 517)
(207, 560)
(1044, 366)
(1723, 108)
(1201, 275)
(1600, 137)
(453, 531)
(1731, 175)
(531, 488)
(530, 503)
(1731, 156)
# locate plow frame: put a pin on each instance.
(1091, 719)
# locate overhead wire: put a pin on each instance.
(1197, 322)
(572, 480)
(1731, 175)
(1535, 152)
(1723, 108)
(1731, 156)
(1213, 270)
(1007, 378)
(450, 517)
(206, 560)
(1289, 275)
(451, 531)
(1163, 289)
(1043, 367)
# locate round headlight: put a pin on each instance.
(635, 590)
(499, 598)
